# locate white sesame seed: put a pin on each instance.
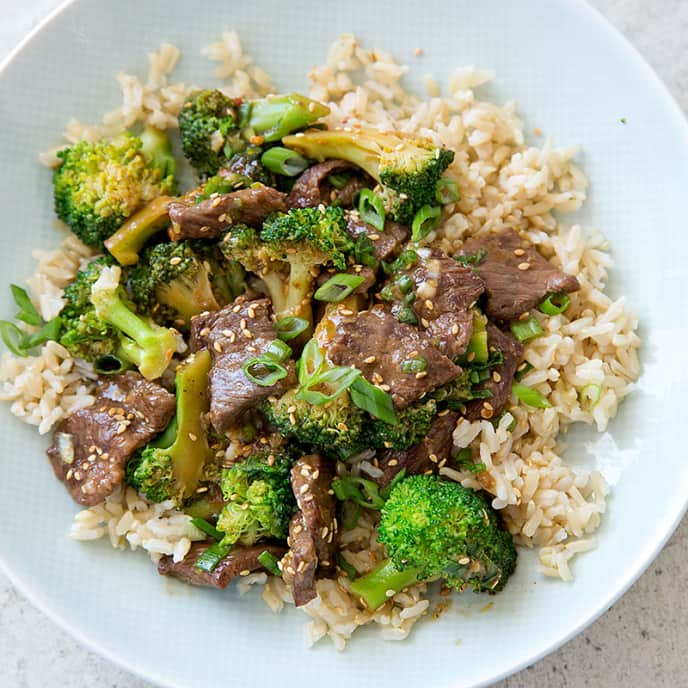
(193, 437)
(390, 593)
(420, 375)
(175, 260)
(519, 252)
(370, 359)
(523, 266)
(217, 347)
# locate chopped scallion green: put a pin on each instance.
(590, 396)
(269, 562)
(264, 370)
(555, 304)
(414, 365)
(447, 191)
(530, 396)
(209, 560)
(283, 161)
(425, 220)
(291, 327)
(371, 209)
(27, 311)
(374, 400)
(208, 528)
(525, 330)
(338, 287)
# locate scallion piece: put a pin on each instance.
(364, 252)
(477, 350)
(109, 364)
(283, 161)
(590, 396)
(522, 371)
(345, 566)
(414, 365)
(264, 370)
(405, 315)
(278, 350)
(332, 382)
(371, 209)
(49, 332)
(386, 491)
(339, 181)
(447, 191)
(269, 562)
(530, 396)
(555, 304)
(14, 338)
(208, 528)
(358, 490)
(338, 287)
(374, 400)
(209, 560)
(291, 327)
(425, 220)
(405, 284)
(525, 330)
(310, 362)
(27, 311)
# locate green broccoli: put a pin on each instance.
(334, 429)
(407, 168)
(173, 466)
(260, 497)
(438, 529)
(414, 424)
(99, 185)
(98, 321)
(215, 127)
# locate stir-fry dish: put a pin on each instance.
(285, 353)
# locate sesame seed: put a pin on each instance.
(245, 572)
(390, 593)
(303, 489)
(418, 52)
(442, 463)
(464, 560)
(385, 387)
(413, 354)
(193, 437)
(342, 426)
(257, 140)
(487, 405)
(175, 261)
(429, 304)
(236, 308)
(433, 458)
(217, 347)
(393, 462)
(226, 333)
(373, 237)
(121, 428)
(291, 409)
(247, 334)
(470, 356)
(77, 475)
(370, 359)
(523, 266)
(70, 473)
(496, 376)
(232, 337)
(420, 375)
(301, 566)
(309, 498)
(455, 329)
(486, 413)
(251, 312)
(346, 311)
(323, 533)
(424, 322)
(201, 490)
(205, 332)
(519, 252)
(442, 413)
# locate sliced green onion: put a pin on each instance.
(291, 327)
(555, 304)
(269, 562)
(590, 396)
(446, 191)
(310, 362)
(49, 332)
(471, 258)
(27, 311)
(371, 209)
(405, 284)
(477, 350)
(425, 220)
(350, 520)
(264, 370)
(345, 566)
(522, 371)
(414, 365)
(525, 330)
(334, 380)
(339, 181)
(208, 528)
(338, 287)
(387, 293)
(373, 400)
(278, 350)
(530, 396)
(409, 299)
(283, 161)
(358, 490)
(209, 560)
(386, 491)
(405, 315)
(109, 364)
(14, 338)
(364, 252)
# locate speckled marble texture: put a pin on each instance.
(641, 641)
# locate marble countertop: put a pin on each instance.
(641, 641)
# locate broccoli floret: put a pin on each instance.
(173, 466)
(260, 497)
(414, 424)
(408, 168)
(438, 529)
(171, 283)
(99, 185)
(99, 321)
(334, 429)
(215, 127)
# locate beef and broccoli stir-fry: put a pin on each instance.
(255, 335)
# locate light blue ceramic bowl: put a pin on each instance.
(575, 78)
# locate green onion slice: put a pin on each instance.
(386, 491)
(404, 314)
(283, 161)
(291, 327)
(264, 370)
(27, 311)
(590, 396)
(555, 304)
(530, 396)
(471, 258)
(364, 252)
(212, 556)
(269, 562)
(310, 362)
(14, 338)
(374, 400)
(358, 490)
(345, 566)
(338, 287)
(522, 370)
(49, 332)
(371, 209)
(425, 220)
(525, 330)
(414, 365)
(278, 350)
(447, 191)
(109, 364)
(208, 528)
(339, 181)
(334, 381)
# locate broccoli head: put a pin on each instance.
(214, 127)
(99, 185)
(407, 168)
(260, 497)
(434, 529)
(172, 466)
(414, 424)
(334, 429)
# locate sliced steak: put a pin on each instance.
(301, 562)
(376, 343)
(92, 446)
(433, 450)
(233, 335)
(387, 244)
(240, 559)
(313, 186)
(209, 218)
(512, 351)
(516, 276)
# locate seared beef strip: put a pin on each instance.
(433, 450)
(516, 276)
(313, 187)
(209, 218)
(313, 529)
(233, 335)
(377, 343)
(502, 376)
(386, 244)
(92, 446)
(240, 559)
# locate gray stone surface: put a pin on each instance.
(640, 642)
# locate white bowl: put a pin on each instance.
(575, 78)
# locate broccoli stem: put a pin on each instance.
(373, 588)
(278, 116)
